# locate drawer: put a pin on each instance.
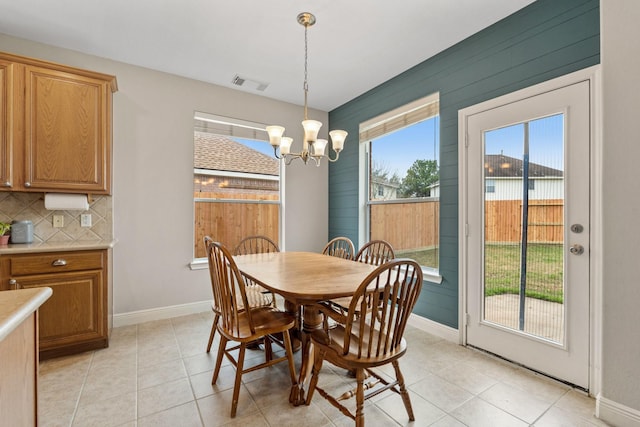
(22, 265)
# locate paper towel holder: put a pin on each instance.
(58, 201)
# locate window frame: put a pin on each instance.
(364, 202)
(245, 130)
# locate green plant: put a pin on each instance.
(4, 228)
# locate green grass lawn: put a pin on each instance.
(544, 271)
(502, 269)
(425, 257)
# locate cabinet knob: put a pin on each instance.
(14, 284)
(59, 263)
(7, 184)
(27, 184)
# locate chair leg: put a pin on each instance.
(236, 386)
(360, 398)
(318, 357)
(288, 348)
(268, 351)
(216, 318)
(403, 391)
(221, 349)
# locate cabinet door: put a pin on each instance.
(75, 313)
(67, 132)
(6, 123)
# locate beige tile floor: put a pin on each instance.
(158, 374)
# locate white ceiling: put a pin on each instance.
(354, 46)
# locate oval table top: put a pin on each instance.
(304, 277)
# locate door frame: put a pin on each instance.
(593, 74)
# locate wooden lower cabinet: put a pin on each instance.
(75, 318)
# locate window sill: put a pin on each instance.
(199, 264)
(431, 275)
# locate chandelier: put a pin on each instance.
(312, 147)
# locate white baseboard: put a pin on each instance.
(141, 316)
(434, 328)
(616, 414)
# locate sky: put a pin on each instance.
(545, 141)
(261, 146)
(420, 141)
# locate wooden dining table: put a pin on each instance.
(304, 279)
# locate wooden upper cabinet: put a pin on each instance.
(67, 132)
(63, 118)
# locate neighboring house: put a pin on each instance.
(383, 189)
(503, 179)
(222, 165)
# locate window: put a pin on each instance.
(236, 182)
(401, 150)
(490, 186)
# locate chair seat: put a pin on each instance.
(333, 340)
(267, 320)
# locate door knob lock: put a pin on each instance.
(576, 249)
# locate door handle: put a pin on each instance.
(576, 249)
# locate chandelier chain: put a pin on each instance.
(306, 84)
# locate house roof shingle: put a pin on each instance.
(501, 166)
(218, 152)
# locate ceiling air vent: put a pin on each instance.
(248, 83)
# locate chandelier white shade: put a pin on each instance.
(312, 147)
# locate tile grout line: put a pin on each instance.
(84, 382)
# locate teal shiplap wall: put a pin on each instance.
(547, 39)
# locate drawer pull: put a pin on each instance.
(14, 284)
(59, 263)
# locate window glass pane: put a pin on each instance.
(524, 229)
(236, 184)
(404, 191)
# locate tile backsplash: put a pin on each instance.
(30, 206)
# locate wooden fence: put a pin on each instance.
(504, 217)
(414, 225)
(407, 226)
(231, 221)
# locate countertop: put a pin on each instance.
(17, 305)
(19, 248)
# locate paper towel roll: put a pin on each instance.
(66, 202)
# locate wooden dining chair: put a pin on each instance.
(370, 336)
(375, 252)
(341, 247)
(257, 296)
(214, 307)
(256, 245)
(242, 324)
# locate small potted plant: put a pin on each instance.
(4, 233)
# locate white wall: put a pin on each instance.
(621, 212)
(153, 176)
